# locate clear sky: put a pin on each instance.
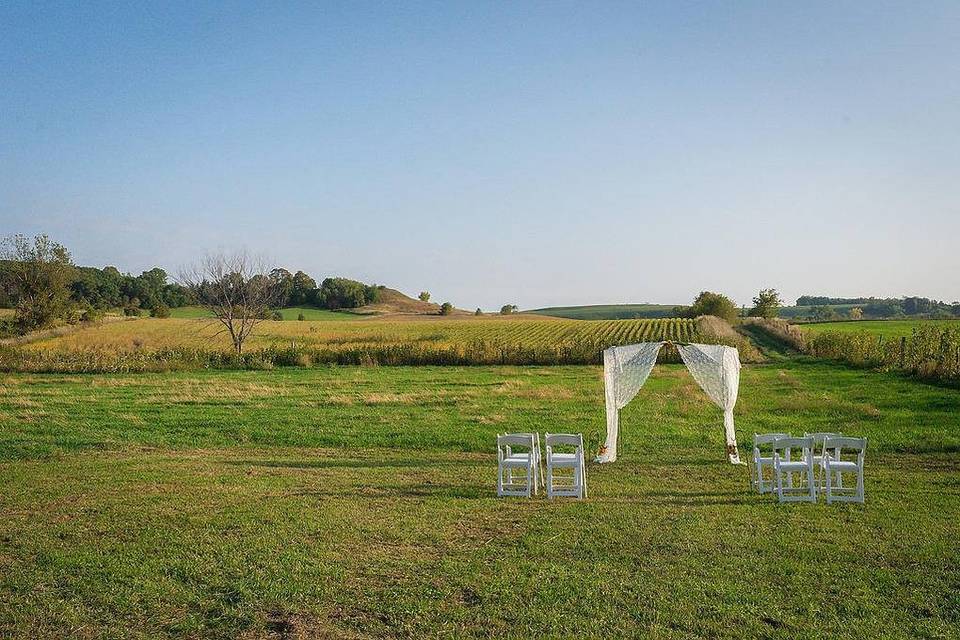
(532, 153)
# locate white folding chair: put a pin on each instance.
(509, 460)
(538, 457)
(760, 460)
(820, 454)
(783, 464)
(566, 460)
(835, 463)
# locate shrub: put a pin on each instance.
(478, 312)
(276, 315)
(160, 311)
(301, 317)
(424, 296)
(508, 309)
(709, 303)
(446, 309)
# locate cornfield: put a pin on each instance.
(153, 344)
(929, 352)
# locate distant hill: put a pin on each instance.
(393, 301)
(610, 311)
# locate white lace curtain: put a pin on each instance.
(716, 368)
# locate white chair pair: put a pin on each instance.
(761, 461)
(829, 463)
(528, 460)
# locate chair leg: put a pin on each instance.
(860, 483)
(810, 483)
(583, 476)
(829, 477)
(549, 480)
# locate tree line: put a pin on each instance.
(39, 280)
(821, 307)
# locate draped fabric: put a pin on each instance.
(625, 369)
(716, 368)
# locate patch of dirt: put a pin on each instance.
(280, 625)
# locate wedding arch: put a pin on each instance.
(715, 367)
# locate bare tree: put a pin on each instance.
(236, 288)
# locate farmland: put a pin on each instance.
(149, 344)
(885, 328)
(358, 502)
(609, 311)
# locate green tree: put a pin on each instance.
(424, 296)
(709, 303)
(766, 304)
(302, 289)
(478, 312)
(507, 309)
(856, 313)
(446, 309)
(283, 284)
(37, 278)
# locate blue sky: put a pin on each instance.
(533, 153)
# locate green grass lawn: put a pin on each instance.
(359, 502)
(312, 313)
(885, 328)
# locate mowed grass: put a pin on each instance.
(153, 333)
(885, 328)
(358, 502)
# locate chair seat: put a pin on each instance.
(839, 465)
(517, 460)
(793, 466)
(564, 459)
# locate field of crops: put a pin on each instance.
(885, 328)
(150, 343)
(152, 333)
(609, 311)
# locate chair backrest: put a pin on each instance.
(781, 444)
(839, 443)
(515, 440)
(820, 436)
(767, 438)
(564, 439)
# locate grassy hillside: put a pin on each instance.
(609, 311)
(359, 503)
(885, 328)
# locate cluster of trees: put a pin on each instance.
(299, 289)
(107, 288)
(38, 279)
(766, 304)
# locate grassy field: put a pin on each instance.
(152, 333)
(289, 313)
(358, 502)
(609, 311)
(885, 328)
